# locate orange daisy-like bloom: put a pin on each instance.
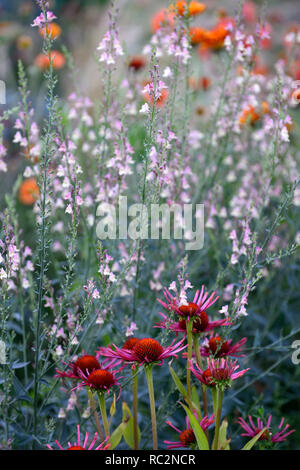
(58, 60)
(29, 192)
(53, 30)
(163, 17)
(193, 9)
(249, 115)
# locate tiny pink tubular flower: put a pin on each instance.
(145, 351)
(201, 324)
(40, 21)
(253, 429)
(83, 446)
(217, 347)
(187, 437)
(219, 372)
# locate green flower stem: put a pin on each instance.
(101, 397)
(149, 377)
(189, 327)
(95, 414)
(200, 364)
(218, 412)
(135, 407)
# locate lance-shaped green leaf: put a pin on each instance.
(116, 436)
(178, 382)
(253, 441)
(223, 441)
(128, 422)
(198, 431)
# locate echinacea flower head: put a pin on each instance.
(143, 351)
(79, 445)
(253, 429)
(194, 311)
(187, 437)
(82, 366)
(200, 303)
(218, 347)
(219, 372)
(29, 192)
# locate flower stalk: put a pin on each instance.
(149, 377)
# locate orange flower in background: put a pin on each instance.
(213, 38)
(162, 18)
(53, 30)
(249, 12)
(249, 115)
(137, 62)
(197, 35)
(194, 8)
(160, 102)
(24, 42)
(58, 60)
(202, 83)
(29, 192)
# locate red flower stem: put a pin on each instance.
(95, 414)
(135, 408)
(215, 445)
(101, 397)
(149, 377)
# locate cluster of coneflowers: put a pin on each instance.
(209, 362)
(54, 186)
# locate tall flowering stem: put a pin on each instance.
(101, 397)
(43, 229)
(189, 328)
(149, 377)
(199, 362)
(135, 407)
(217, 411)
(94, 411)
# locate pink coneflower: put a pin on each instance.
(252, 430)
(200, 303)
(201, 324)
(101, 380)
(83, 365)
(219, 372)
(145, 351)
(84, 446)
(187, 437)
(218, 347)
